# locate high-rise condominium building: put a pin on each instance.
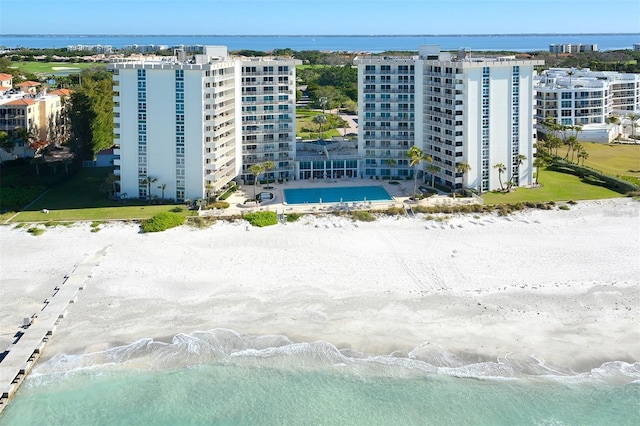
(268, 115)
(186, 127)
(581, 97)
(456, 108)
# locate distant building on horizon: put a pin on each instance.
(572, 48)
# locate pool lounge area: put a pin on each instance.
(336, 194)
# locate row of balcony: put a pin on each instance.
(274, 72)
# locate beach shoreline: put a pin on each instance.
(559, 286)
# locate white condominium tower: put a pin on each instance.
(456, 108)
(268, 115)
(184, 126)
(581, 97)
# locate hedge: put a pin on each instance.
(261, 219)
(162, 221)
(594, 177)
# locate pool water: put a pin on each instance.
(336, 194)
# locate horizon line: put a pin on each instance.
(310, 35)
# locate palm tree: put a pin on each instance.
(577, 147)
(464, 168)
(633, 118)
(570, 73)
(162, 187)
(501, 169)
(256, 169)
(537, 163)
(320, 120)
(433, 169)
(582, 154)
(416, 156)
(148, 181)
(268, 165)
(521, 158)
(391, 162)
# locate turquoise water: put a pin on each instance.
(336, 194)
(219, 377)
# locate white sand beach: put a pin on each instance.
(562, 286)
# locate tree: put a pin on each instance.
(416, 156)
(91, 113)
(162, 187)
(633, 118)
(256, 169)
(148, 181)
(462, 167)
(577, 147)
(36, 161)
(582, 154)
(433, 169)
(391, 163)
(501, 169)
(320, 120)
(537, 163)
(521, 158)
(268, 165)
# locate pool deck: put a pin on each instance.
(400, 193)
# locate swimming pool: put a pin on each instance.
(336, 194)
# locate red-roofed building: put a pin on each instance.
(28, 86)
(6, 81)
(42, 115)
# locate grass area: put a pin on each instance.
(555, 187)
(307, 129)
(122, 212)
(614, 159)
(81, 198)
(47, 67)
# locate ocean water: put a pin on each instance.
(511, 42)
(221, 377)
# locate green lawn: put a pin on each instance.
(307, 129)
(555, 187)
(123, 212)
(81, 198)
(48, 67)
(614, 159)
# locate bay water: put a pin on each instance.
(222, 377)
(362, 43)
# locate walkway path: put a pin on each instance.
(19, 358)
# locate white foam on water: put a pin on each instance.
(274, 351)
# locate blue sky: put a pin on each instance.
(326, 17)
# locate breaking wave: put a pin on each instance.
(228, 347)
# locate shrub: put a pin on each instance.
(594, 177)
(363, 216)
(395, 211)
(261, 219)
(564, 207)
(177, 210)
(219, 205)
(35, 231)
(573, 203)
(201, 222)
(228, 193)
(95, 224)
(162, 221)
(292, 217)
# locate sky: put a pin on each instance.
(315, 17)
